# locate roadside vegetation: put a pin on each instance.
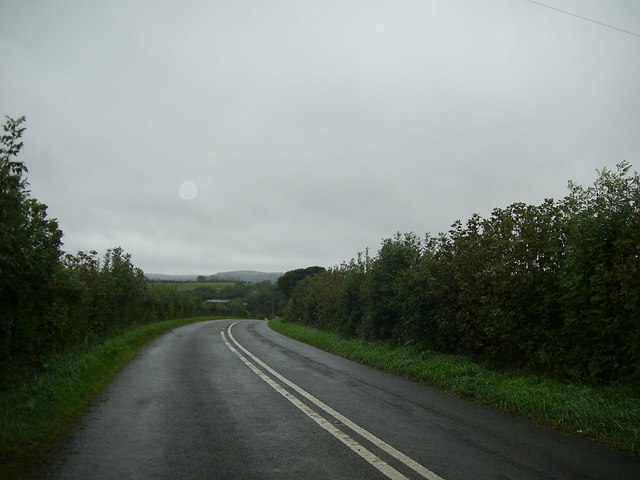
(552, 287)
(609, 414)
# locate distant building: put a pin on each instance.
(215, 300)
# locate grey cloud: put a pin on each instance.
(312, 129)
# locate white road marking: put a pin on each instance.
(370, 457)
(398, 455)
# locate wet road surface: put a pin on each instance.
(234, 400)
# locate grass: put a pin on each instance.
(609, 414)
(38, 405)
(188, 286)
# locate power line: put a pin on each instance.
(584, 18)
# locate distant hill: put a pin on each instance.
(244, 276)
(250, 276)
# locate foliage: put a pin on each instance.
(29, 249)
(600, 280)
(314, 299)
(287, 282)
(554, 286)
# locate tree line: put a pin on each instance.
(554, 287)
(50, 301)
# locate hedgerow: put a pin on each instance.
(554, 286)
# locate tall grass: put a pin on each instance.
(609, 414)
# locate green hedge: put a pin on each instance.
(554, 286)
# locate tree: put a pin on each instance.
(29, 243)
(261, 301)
(381, 288)
(600, 275)
(287, 282)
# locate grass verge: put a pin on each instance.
(607, 414)
(38, 405)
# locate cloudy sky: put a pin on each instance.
(204, 136)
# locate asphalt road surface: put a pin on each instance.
(227, 400)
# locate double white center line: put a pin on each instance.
(260, 368)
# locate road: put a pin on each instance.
(235, 400)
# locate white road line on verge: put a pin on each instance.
(398, 455)
(370, 457)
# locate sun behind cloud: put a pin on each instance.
(188, 190)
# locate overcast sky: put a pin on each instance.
(204, 136)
